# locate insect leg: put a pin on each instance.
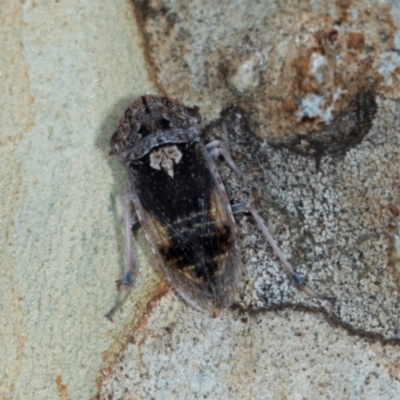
(217, 148)
(131, 262)
(296, 279)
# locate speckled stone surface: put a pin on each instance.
(290, 73)
(332, 216)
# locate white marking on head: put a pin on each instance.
(164, 157)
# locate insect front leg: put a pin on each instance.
(297, 280)
(131, 262)
(217, 148)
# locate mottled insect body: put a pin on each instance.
(181, 203)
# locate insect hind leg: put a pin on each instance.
(217, 148)
(131, 262)
(297, 280)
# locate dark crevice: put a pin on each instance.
(345, 132)
(331, 319)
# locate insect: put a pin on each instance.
(181, 204)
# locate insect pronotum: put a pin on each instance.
(181, 203)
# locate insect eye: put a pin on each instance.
(117, 140)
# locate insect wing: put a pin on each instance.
(185, 214)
